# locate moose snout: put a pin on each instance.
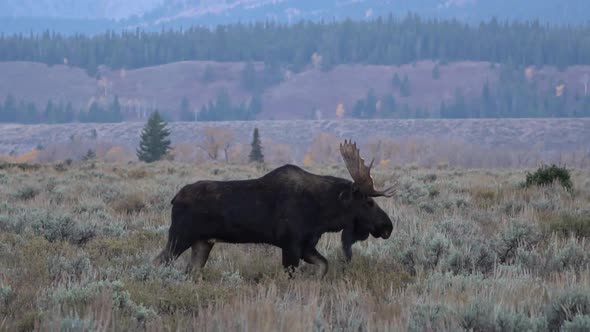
(386, 234)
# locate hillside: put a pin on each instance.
(69, 16)
(309, 94)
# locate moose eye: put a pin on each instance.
(371, 203)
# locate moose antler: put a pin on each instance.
(360, 173)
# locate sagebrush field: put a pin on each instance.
(471, 250)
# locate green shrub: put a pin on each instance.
(60, 265)
(26, 193)
(566, 307)
(12, 224)
(6, 295)
(478, 316)
(430, 318)
(519, 234)
(76, 324)
(580, 323)
(79, 295)
(571, 257)
(546, 175)
(412, 191)
(516, 322)
(436, 249)
(62, 228)
(148, 272)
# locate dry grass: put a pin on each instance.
(471, 250)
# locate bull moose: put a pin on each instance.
(288, 207)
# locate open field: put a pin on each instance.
(477, 139)
(471, 250)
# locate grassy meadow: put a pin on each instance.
(471, 250)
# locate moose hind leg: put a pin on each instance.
(199, 255)
(174, 248)
(312, 256)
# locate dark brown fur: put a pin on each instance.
(288, 208)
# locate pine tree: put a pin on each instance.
(436, 72)
(185, 111)
(405, 89)
(115, 111)
(208, 75)
(90, 155)
(154, 145)
(396, 82)
(256, 152)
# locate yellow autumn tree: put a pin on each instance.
(28, 157)
(117, 154)
(316, 60)
(529, 72)
(25, 158)
(324, 149)
(277, 153)
(215, 140)
(559, 90)
(307, 160)
(340, 111)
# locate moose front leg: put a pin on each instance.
(351, 235)
(291, 257)
(312, 256)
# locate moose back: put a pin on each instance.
(289, 208)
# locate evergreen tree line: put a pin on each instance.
(256, 82)
(222, 109)
(27, 112)
(379, 41)
(516, 97)
(513, 96)
(386, 107)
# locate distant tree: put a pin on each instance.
(154, 143)
(405, 88)
(68, 115)
(115, 111)
(256, 155)
(8, 110)
(436, 72)
(90, 155)
(255, 106)
(50, 113)
(222, 109)
(366, 108)
(249, 78)
(185, 111)
(214, 140)
(32, 115)
(396, 82)
(208, 75)
(388, 107)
